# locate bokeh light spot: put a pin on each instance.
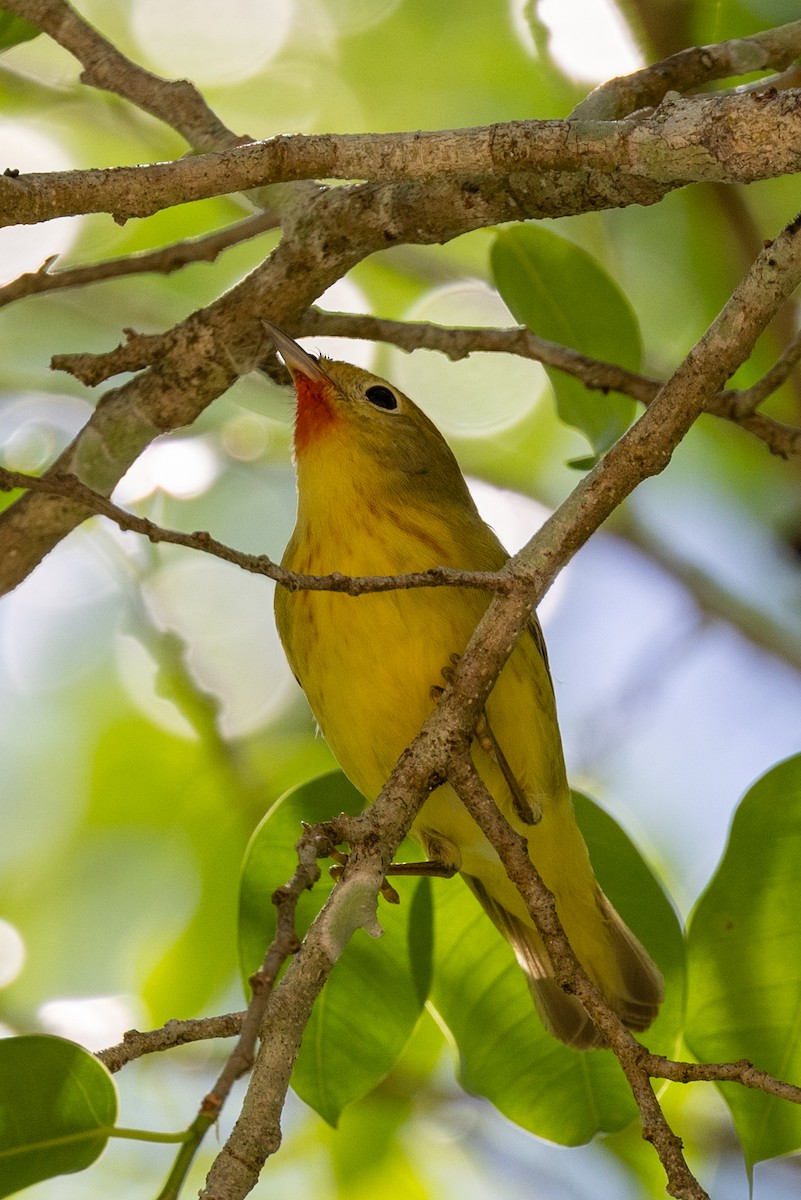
(181, 467)
(211, 42)
(26, 247)
(12, 953)
(589, 41)
(482, 394)
(92, 1021)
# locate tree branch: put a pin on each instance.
(742, 1072)
(205, 248)
(568, 972)
(692, 68)
(175, 1033)
(728, 138)
(257, 564)
(729, 404)
(458, 343)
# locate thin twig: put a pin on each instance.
(745, 401)
(256, 564)
(690, 69)
(135, 1044)
(742, 1072)
(317, 841)
(457, 343)
(512, 850)
(164, 260)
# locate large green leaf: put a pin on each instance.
(744, 995)
(376, 992)
(562, 293)
(58, 1105)
(481, 996)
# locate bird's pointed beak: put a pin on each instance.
(295, 357)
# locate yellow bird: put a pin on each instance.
(380, 493)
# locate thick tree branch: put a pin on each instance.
(728, 138)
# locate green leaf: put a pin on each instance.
(58, 1105)
(744, 998)
(376, 992)
(481, 996)
(562, 293)
(14, 30)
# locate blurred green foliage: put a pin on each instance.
(14, 30)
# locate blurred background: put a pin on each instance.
(147, 716)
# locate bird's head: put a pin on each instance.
(349, 416)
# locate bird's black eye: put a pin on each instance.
(382, 397)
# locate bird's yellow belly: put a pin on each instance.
(369, 666)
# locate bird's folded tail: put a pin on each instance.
(620, 967)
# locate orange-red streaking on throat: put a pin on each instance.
(315, 410)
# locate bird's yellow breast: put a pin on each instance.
(370, 664)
